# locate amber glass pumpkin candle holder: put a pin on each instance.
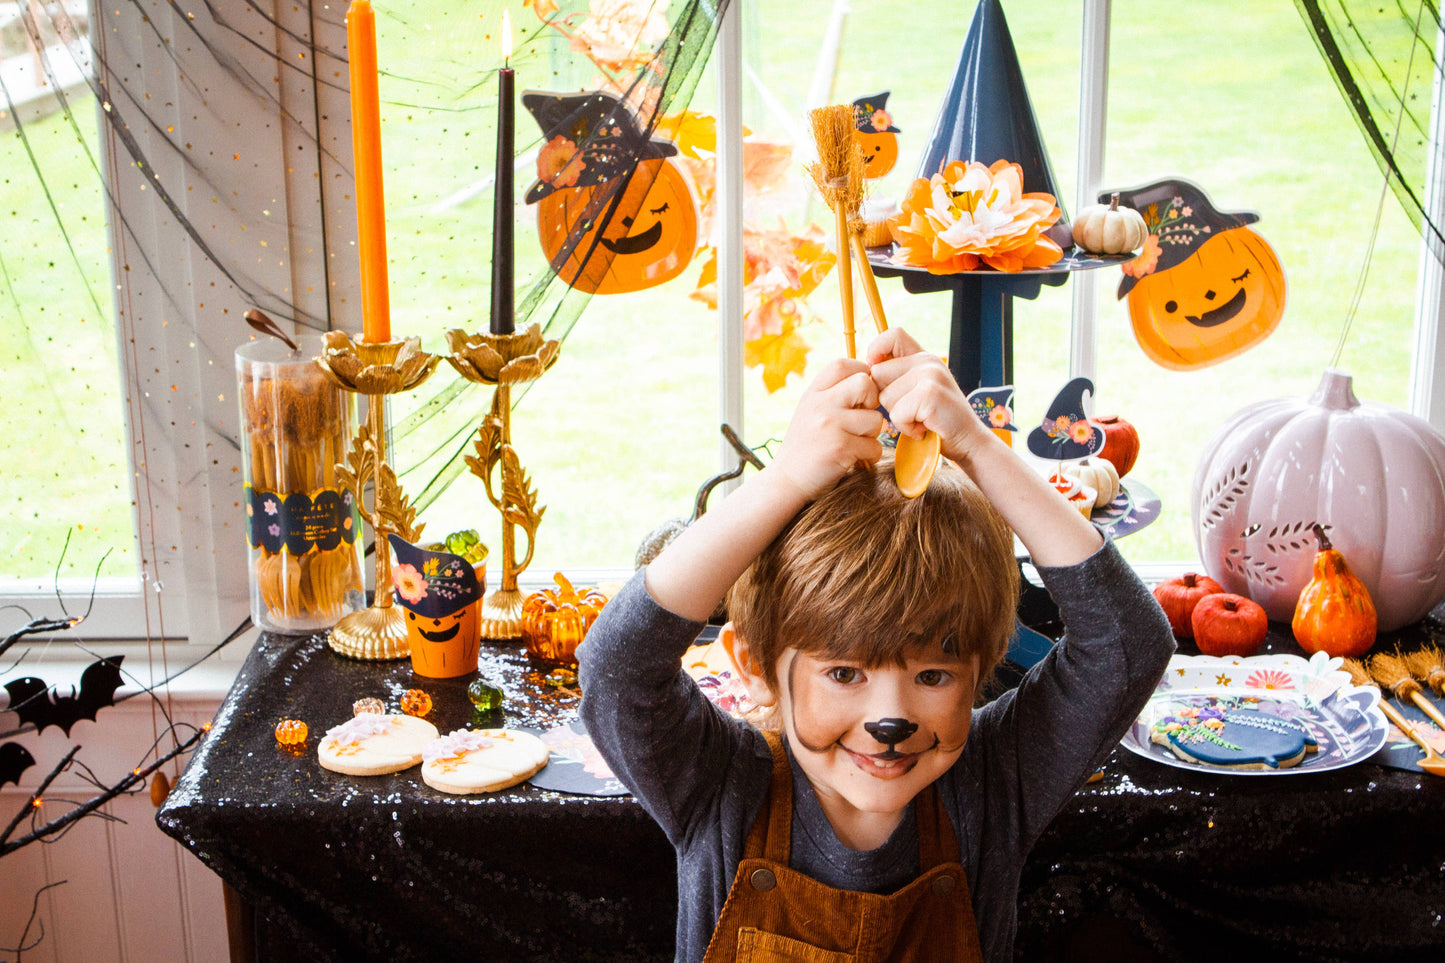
(554, 623)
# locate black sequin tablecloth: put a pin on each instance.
(1340, 865)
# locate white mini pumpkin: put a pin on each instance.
(1100, 475)
(1109, 229)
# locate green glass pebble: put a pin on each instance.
(485, 696)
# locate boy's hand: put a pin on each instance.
(921, 395)
(835, 426)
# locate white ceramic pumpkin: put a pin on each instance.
(1372, 475)
(1109, 228)
(1100, 475)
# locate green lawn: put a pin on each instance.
(622, 431)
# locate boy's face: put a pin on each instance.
(871, 738)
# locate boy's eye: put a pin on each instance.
(843, 674)
(931, 677)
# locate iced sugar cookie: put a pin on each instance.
(481, 760)
(373, 745)
(1232, 738)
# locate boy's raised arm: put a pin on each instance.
(834, 427)
(920, 394)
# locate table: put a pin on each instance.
(1150, 863)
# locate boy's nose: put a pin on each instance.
(890, 732)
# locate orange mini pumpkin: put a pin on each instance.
(554, 623)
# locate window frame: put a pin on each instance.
(181, 412)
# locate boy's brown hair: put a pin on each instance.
(865, 574)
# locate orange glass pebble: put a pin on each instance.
(291, 732)
(369, 704)
(415, 702)
(554, 623)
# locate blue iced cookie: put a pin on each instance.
(1232, 738)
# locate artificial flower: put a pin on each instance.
(969, 214)
(559, 163)
(880, 120)
(409, 583)
(1148, 257)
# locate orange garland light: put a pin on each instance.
(969, 214)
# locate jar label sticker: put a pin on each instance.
(300, 522)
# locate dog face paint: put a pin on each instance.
(870, 738)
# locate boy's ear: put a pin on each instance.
(746, 666)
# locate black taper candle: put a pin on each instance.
(503, 307)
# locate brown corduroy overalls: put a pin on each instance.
(775, 914)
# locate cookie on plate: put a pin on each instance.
(481, 760)
(374, 745)
(1232, 738)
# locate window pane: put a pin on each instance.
(1246, 108)
(619, 434)
(63, 468)
(781, 73)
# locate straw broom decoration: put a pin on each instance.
(1431, 763)
(1428, 665)
(1392, 673)
(838, 175)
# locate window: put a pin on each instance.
(239, 118)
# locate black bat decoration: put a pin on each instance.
(32, 701)
(14, 759)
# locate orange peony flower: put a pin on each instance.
(970, 214)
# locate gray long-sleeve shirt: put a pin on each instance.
(704, 775)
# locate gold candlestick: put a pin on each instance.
(376, 369)
(502, 360)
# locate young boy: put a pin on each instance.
(889, 820)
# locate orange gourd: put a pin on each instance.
(1335, 613)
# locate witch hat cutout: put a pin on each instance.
(1181, 217)
(1066, 431)
(986, 114)
(432, 584)
(593, 137)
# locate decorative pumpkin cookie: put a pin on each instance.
(374, 745)
(482, 760)
(1223, 735)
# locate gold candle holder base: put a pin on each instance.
(501, 361)
(373, 634)
(376, 369)
(501, 616)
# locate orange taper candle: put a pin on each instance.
(366, 153)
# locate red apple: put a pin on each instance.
(1227, 624)
(1121, 443)
(1178, 596)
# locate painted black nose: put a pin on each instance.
(890, 732)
